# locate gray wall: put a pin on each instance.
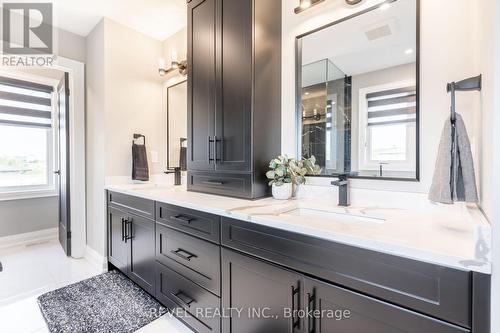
(28, 215)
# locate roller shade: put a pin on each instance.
(25, 103)
(393, 106)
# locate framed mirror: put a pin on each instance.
(176, 126)
(358, 93)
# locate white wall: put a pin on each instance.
(488, 52)
(95, 139)
(133, 98)
(125, 95)
(446, 55)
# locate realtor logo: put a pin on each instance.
(27, 28)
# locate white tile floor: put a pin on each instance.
(30, 271)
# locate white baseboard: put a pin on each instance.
(95, 259)
(29, 238)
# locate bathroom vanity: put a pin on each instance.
(205, 258)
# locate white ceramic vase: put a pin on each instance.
(282, 192)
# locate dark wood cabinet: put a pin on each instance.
(231, 276)
(141, 261)
(131, 243)
(265, 294)
(435, 290)
(234, 88)
(117, 248)
(337, 310)
(201, 84)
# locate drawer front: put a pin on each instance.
(233, 185)
(364, 314)
(196, 259)
(199, 224)
(131, 204)
(435, 290)
(181, 295)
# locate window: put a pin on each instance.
(26, 138)
(388, 127)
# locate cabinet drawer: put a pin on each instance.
(364, 314)
(131, 204)
(192, 257)
(439, 291)
(179, 294)
(234, 185)
(203, 225)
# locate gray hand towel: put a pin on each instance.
(454, 178)
(140, 170)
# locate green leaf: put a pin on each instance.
(270, 174)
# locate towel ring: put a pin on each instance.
(138, 136)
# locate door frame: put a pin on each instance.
(76, 85)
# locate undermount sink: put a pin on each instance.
(341, 217)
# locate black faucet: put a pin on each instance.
(177, 175)
(343, 184)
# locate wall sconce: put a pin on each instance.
(181, 66)
(353, 2)
(306, 4)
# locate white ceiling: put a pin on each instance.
(156, 18)
(348, 47)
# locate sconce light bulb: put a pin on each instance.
(161, 63)
(385, 6)
(305, 4)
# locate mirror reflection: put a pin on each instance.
(358, 88)
(177, 126)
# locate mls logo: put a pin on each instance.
(27, 28)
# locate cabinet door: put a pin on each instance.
(234, 86)
(117, 248)
(140, 232)
(265, 294)
(337, 310)
(201, 84)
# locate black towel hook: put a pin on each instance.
(137, 136)
(470, 84)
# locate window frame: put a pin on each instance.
(50, 189)
(366, 164)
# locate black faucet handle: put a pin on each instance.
(343, 176)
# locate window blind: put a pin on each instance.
(393, 106)
(24, 103)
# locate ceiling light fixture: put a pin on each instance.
(409, 51)
(306, 4)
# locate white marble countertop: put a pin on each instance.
(455, 236)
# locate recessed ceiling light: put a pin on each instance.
(385, 6)
(306, 93)
(409, 51)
